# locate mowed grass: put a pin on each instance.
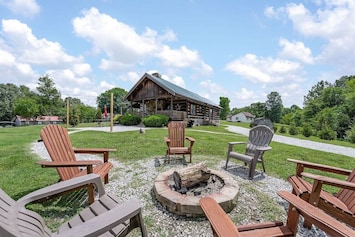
(21, 175)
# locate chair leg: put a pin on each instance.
(262, 163)
(227, 162)
(91, 193)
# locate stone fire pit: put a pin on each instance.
(188, 205)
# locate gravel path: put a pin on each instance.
(346, 151)
(136, 179)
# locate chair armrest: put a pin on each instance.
(93, 150)
(106, 221)
(263, 148)
(231, 145)
(191, 140)
(330, 181)
(220, 222)
(77, 163)
(319, 218)
(305, 164)
(167, 140)
(63, 186)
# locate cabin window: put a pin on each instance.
(193, 109)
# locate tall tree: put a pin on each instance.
(274, 107)
(26, 107)
(257, 109)
(315, 91)
(49, 96)
(8, 94)
(224, 103)
(120, 105)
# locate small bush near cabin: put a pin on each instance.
(327, 133)
(156, 120)
(350, 134)
(283, 129)
(307, 130)
(293, 130)
(129, 120)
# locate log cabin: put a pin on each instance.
(155, 95)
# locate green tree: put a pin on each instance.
(8, 94)
(315, 92)
(224, 103)
(26, 107)
(49, 97)
(273, 107)
(120, 105)
(257, 109)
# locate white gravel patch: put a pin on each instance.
(136, 180)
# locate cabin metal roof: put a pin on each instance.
(173, 89)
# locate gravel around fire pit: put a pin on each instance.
(257, 198)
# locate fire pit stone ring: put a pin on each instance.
(189, 206)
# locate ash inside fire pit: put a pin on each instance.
(213, 185)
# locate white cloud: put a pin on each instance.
(123, 47)
(23, 7)
(296, 50)
(333, 22)
(81, 68)
(29, 49)
(264, 70)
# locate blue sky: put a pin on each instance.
(242, 50)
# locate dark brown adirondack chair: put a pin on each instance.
(107, 216)
(222, 226)
(176, 140)
(340, 205)
(56, 140)
(258, 142)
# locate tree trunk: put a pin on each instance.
(187, 177)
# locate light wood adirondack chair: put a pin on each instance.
(222, 226)
(107, 216)
(176, 140)
(258, 142)
(341, 205)
(56, 140)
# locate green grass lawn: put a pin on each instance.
(20, 174)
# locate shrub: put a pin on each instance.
(275, 129)
(283, 129)
(129, 119)
(293, 130)
(327, 133)
(350, 134)
(307, 130)
(156, 120)
(117, 117)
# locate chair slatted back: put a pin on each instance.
(258, 136)
(348, 196)
(17, 221)
(176, 132)
(56, 139)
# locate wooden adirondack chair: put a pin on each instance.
(222, 226)
(107, 216)
(341, 205)
(258, 142)
(176, 140)
(56, 140)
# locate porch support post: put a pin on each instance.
(156, 106)
(143, 108)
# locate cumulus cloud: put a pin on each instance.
(124, 47)
(26, 8)
(29, 49)
(333, 23)
(296, 50)
(264, 70)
